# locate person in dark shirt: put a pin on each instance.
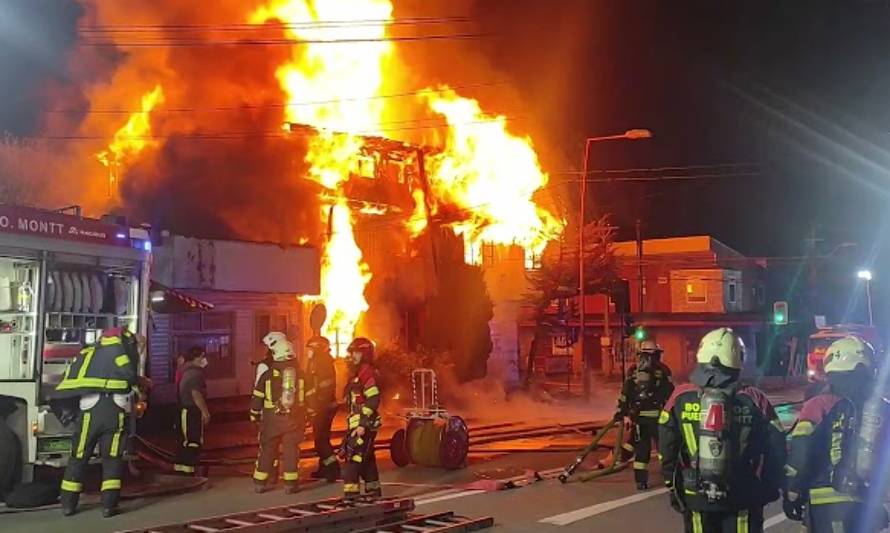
(193, 411)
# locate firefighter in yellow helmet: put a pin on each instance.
(363, 421)
(645, 392)
(835, 481)
(103, 379)
(721, 443)
(278, 407)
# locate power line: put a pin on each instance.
(283, 42)
(657, 169)
(666, 177)
(196, 109)
(275, 24)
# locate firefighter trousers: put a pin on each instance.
(191, 438)
(645, 433)
(321, 435)
(280, 435)
(743, 521)
(101, 425)
(845, 517)
(361, 464)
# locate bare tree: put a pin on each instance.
(558, 278)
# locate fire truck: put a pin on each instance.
(63, 279)
(819, 342)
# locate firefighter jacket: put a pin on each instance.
(644, 399)
(108, 366)
(819, 449)
(321, 383)
(267, 391)
(363, 398)
(757, 455)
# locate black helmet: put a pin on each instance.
(318, 344)
(195, 352)
(363, 346)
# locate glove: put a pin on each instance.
(793, 505)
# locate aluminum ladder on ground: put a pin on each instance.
(434, 523)
(323, 515)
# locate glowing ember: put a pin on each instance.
(344, 280)
(492, 175)
(131, 138)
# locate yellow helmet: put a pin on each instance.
(846, 354)
(722, 345)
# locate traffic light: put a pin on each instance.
(780, 313)
(640, 334)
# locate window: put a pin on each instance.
(696, 291)
(211, 331)
(18, 317)
(532, 260)
(732, 291)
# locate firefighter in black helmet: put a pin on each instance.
(278, 407)
(321, 402)
(363, 421)
(193, 411)
(103, 378)
(722, 445)
(836, 481)
(645, 392)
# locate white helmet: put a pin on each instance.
(722, 345)
(846, 354)
(283, 351)
(272, 338)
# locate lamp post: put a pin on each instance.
(866, 276)
(634, 134)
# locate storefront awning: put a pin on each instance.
(163, 299)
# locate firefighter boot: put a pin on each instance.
(642, 478)
(69, 502)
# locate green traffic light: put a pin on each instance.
(640, 334)
(779, 318)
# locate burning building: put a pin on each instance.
(389, 175)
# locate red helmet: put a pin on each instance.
(362, 346)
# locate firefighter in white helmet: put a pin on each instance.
(721, 443)
(278, 407)
(647, 388)
(835, 481)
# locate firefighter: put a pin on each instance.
(722, 446)
(103, 376)
(193, 411)
(321, 401)
(830, 462)
(278, 407)
(645, 392)
(363, 421)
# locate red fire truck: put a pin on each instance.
(63, 279)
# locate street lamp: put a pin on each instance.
(866, 276)
(632, 135)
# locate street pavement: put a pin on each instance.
(610, 503)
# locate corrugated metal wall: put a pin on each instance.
(160, 366)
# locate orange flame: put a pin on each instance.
(492, 175)
(345, 78)
(418, 221)
(131, 139)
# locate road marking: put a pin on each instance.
(774, 520)
(451, 496)
(565, 519)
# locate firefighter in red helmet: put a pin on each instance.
(363, 421)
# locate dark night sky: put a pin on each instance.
(800, 88)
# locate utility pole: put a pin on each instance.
(640, 264)
(634, 134)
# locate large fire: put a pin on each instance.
(335, 76)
